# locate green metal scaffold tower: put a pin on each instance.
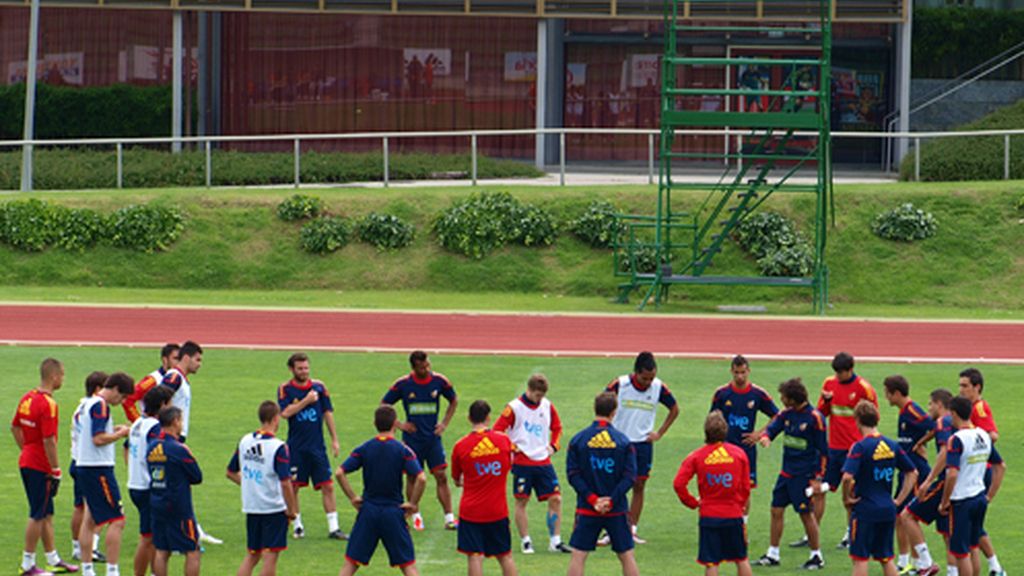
(777, 111)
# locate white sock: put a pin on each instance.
(815, 553)
(556, 540)
(52, 558)
(28, 560)
(332, 522)
(298, 521)
(634, 529)
(199, 529)
(449, 517)
(993, 564)
(952, 570)
(846, 536)
(76, 548)
(903, 560)
(96, 541)
(924, 557)
(526, 540)
(87, 569)
(745, 518)
(113, 570)
(773, 552)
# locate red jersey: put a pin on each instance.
(981, 417)
(723, 480)
(130, 403)
(482, 459)
(37, 418)
(842, 426)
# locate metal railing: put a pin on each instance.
(917, 138)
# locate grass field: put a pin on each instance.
(232, 383)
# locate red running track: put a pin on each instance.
(569, 335)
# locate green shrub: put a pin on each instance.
(28, 225)
(905, 224)
(776, 245)
(532, 225)
(385, 231)
(1020, 204)
(793, 260)
(145, 227)
(598, 226)
(324, 235)
(646, 258)
(77, 228)
(299, 207)
(482, 223)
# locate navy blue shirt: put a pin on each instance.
(914, 424)
(873, 462)
(740, 408)
(306, 427)
(383, 459)
(805, 442)
(601, 462)
(172, 472)
(421, 400)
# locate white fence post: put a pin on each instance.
(1006, 157)
(120, 165)
(561, 158)
(650, 158)
(917, 159)
(386, 174)
(472, 145)
(298, 163)
(209, 165)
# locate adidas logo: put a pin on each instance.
(719, 456)
(602, 440)
(157, 454)
(484, 448)
(254, 453)
(883, 452)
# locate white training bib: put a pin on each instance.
(637, 409)
(261, 486)
(970, 480)
(531, 432)
(89, 454)
(138, 469)
(182, 400)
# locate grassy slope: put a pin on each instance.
(232, 383)
(233, 242)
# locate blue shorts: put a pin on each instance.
(172, 534)
(266, 532)
(376, 523)
(871, 539)
(751, 452)
(588, 528)
(429, 452)
(487, 538)
(38, 490)
(921, 475)
(76, 489)
(967, 524)
(834, 468)
(308, 464)
(722, 540)
(644, 459)
(101, 494)
(792, 491)
(141, 500)
(925, 508)
(540, 480)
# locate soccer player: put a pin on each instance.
(965, 497)
(723, 483)
(93, 382)
(172, 471)
(739, 401)
(168, 358)
(601, 467)
(839, 395)
(306, 405)
(382, 513)
(262, 467)
(143, 431)
(481, 461)
(804, 453)
(913, 424)
(420, 393)
(34, 427)
(868, 473)
(532, 423)
(638, 397)
(95, 460)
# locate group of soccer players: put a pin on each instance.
(836, 446)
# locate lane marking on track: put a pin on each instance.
(528, 352)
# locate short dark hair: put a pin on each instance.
(644, 363)
(190, 349)
(120, 381)
(479, 410)
(416, 357)
(942, 396)
(974, 376)
(49, 367)
(94, 382)
(715, 427)
(169, 349)
(605, 404)
(384, 418)
(842, 362)
(296, 358)
(897, 383)
(538, 382)
(795, 390)
(267, 411)
(169, 415)
(739, 360)
(155, 399)
(866, 414)
(962, 407)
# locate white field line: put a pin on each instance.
(528, 352)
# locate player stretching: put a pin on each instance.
(739, 401)
(93, 382)
(804, 452)
(262, 467)
(420, 393)
(867, 491)
(173, 470)
(601, 467)
(382, 514)
(143, 431)
(839, 395)
(306, 405)
(168, 358)
(536, 430)
(965, 497)
(913, 425)
(638, 395)
(972, 384)
(480, 464)
(34, 427)
(723, 483)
